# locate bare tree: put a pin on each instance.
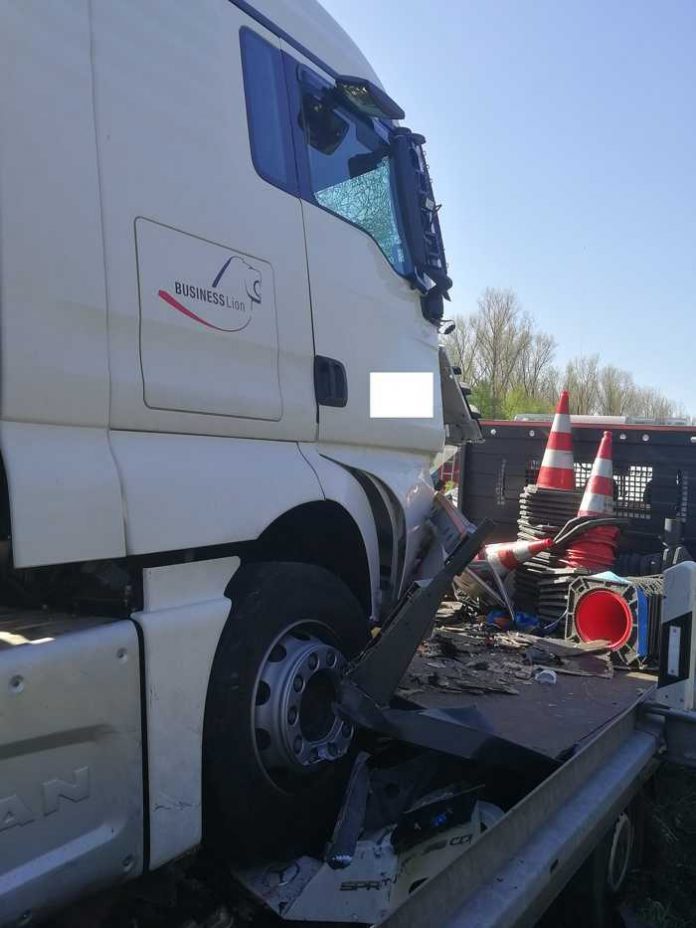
(535, 364)
(461, 349)
(509, 364)
(617, 392)
(582, 383)
(652, 404)
(503, 336)
(503, 357)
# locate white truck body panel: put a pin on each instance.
(216, 490)
(412, 489)
(71, 811)
(53, 351)
(65, 496)
(339, 486)
(184, 613)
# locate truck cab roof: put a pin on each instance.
(311, 26)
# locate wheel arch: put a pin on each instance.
(323, 533)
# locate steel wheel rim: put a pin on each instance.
(296, 730)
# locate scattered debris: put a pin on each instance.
(546, 677)
(476, 658)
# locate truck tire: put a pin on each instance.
(275, 755)
(598, 887)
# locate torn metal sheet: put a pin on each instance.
(379, 669)
(376, 882)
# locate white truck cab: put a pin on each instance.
(213, 229)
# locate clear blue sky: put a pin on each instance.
(562, 144)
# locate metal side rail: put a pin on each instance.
(517, 868)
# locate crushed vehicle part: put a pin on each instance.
(385, 867)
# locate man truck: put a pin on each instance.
(218, 243)
(213, 231)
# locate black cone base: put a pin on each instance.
(541, 585)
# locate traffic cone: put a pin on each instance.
(557, 471)
(598, 498)
(508, 555)
(596, 549)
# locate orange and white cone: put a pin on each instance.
(557, 471)
(596, 549)
(598, 498)
(508, 555)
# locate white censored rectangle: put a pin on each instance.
(401, 395)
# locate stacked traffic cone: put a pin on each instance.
(598, 498)
(596, 549)
(507, 556)
(545, 507)
(557, 471)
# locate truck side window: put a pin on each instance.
(267, 112)
(351, 172)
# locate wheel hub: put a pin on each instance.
(294, 717)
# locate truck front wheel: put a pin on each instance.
(275, 754)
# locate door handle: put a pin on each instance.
(330, 381)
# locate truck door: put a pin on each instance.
(367, 317)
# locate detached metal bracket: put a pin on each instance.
(378, 670)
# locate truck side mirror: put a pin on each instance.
(367, 98)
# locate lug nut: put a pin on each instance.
(330, 658)
(298, 683)
(313, 661)
(297, 745)
(292, 715)
(347, 730)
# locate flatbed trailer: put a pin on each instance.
(610, 737)
(511, 875)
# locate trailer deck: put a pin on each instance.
(509, 877)
(552, 719)
(473, 665)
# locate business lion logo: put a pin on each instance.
(227, 304)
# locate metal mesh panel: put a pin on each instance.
(632, 488)
(500, 484)
(532, 471)
(582, 472)
(634, 492)
(652, 472)
(583, 469)
(683, 482)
